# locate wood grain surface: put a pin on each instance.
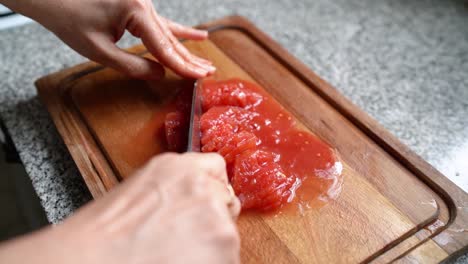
(390, 199)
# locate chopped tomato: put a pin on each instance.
(259, 181)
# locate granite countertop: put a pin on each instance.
(404, 62)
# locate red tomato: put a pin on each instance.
(228, 93)
(267, 157)
(259, 181)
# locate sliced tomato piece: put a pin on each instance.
(236, 145)
(259, 181)
(229, 93)
(237, 118)
(225, 135)
(216, 137)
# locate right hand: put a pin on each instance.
(174, 210)
(177, 209)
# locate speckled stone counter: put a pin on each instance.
(403, 62)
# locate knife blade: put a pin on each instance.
(194, 136)
(194, 141)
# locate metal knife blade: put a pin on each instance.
(194, 137)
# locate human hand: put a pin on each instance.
(92, 27)
(176, 209)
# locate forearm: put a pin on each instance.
(29, 8)
(43, 246)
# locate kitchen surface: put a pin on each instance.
(10, 19)
(21, 209)
(404, 63)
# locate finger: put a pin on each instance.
(224, 193)
(176, 29)
(181, 49)
(183, 52)
(162, 48)
(212, 164)
(234, 205)
(185, 32)
(186, 54)
(234, 208)
(126, 62)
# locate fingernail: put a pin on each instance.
(211, 69)
(201, 71)
(203, 33)
(207, 67)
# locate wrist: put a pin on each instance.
(19, 6)
(35, 10)
(37, 247)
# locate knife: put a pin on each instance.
(194, 141)
(194, 135)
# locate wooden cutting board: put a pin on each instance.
(393, 205)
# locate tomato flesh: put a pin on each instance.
(259, 181)
(227, 93)
(268, 157)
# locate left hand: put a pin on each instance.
(92, 27)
